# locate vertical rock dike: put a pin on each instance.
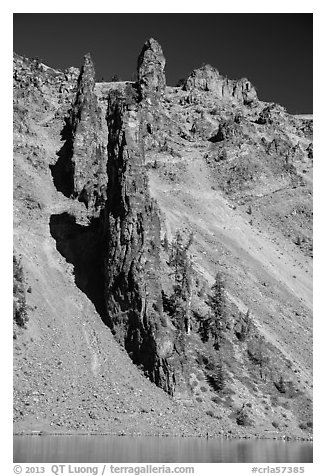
(132, 235)
(88, 154)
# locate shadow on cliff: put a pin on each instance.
(62, 171)
(82, 247)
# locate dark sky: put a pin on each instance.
(274, 51)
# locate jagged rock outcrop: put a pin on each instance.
(203, 126)
(133, 291)
(233, 129)
(32, 77)
(209, 79)
(85, 148)
(105, 169)
(271, 114)
(150, 69)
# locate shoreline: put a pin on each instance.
(134, 435)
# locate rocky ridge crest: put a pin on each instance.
(208, 79)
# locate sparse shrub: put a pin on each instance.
(285, 405)
(199, 399)
(298, 241)
(216, 400)
(165, 243)
(223, 155)
(210, 413)
(164, 147)
(201, 359)
(257, 354)
(203, 389)
(217, 379)
(291, 391)
(302, 426)
(275, 424)
(309, 424)
(242, 417)
(19, 300)
(229, 402)
(175, 153)
(17, 273)
(229, 391)
(192, 388)
(243, 326)
(274, 401)
(280, 385)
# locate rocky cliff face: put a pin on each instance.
(34, 82)
(112, 182)
(150, 68)
(133, 290)
(209, 79)
(82, 165)
(227, 169)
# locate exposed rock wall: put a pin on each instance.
(88, 142)
(196, 144)
(133, 291)
(150, 68)
(209, 79)
(104, 165)
(36, 82)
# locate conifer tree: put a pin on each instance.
(220, 377)
(182, 270)
(165, 243)
(217, 303)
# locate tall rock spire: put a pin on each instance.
(133, 289)
(86, 80)
(150, 70)
(88, 141)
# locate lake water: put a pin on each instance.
(125, 449)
